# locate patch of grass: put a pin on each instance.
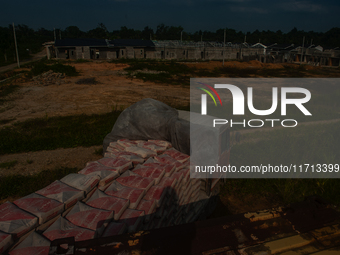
(89, 81)
(41, 67)
(171, 67)
(29, 161)
(157, 78)
(50, 133)
(5, 121)
(20, 185)
(99, 152)
(174, 72)
(80, 60)
(8, 164)
(170, 72)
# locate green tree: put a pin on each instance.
(73, 32)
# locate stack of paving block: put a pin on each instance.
(137, 185)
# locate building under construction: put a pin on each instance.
(187, 50)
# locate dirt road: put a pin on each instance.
(35, 57)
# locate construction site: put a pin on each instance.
(129, 190)
(314, 55)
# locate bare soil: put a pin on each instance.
(111, 92)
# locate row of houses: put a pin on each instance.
(182, 50)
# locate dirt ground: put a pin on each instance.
(69, 98)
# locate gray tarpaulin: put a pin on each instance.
(151, 119)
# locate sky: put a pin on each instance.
(192, 15)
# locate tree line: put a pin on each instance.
(30, 40)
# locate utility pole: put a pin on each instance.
(59, 34)
(54, 34)
(224, 46)
(303, 45)
(16, 46)
(181, 35)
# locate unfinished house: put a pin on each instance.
(134, 48)
(316, 55)
(173, 49)
(102, 49)
(187, 50)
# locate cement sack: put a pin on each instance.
(106, 174)
(194, 197)
(149, 207)
(189, 218)
(179, 156)
(194, 181)
(171, 211)
(171, 200)
(5, 241)
(161, 211)
(34, 244)
(110, 149)
(89, 195)
(116, 146)
(114, 229)
(161, 143)
(86, 216)
(166, 159)
(157, 194)
(126, 143)
(81, 181)
(168, 169)
(119, 164)
(168, 183)
(153, 172)
(178, 176)
(130, 179)
(129, 156)
(102, 201)
(151, 146)
(15, 221)
(186, 172)
(63, 228)
(63, 193)
(133, 195)
(150, 119)
(42, 207)
(142, 152)
(132, 218)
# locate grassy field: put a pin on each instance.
(174, 72)
(51, 133)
